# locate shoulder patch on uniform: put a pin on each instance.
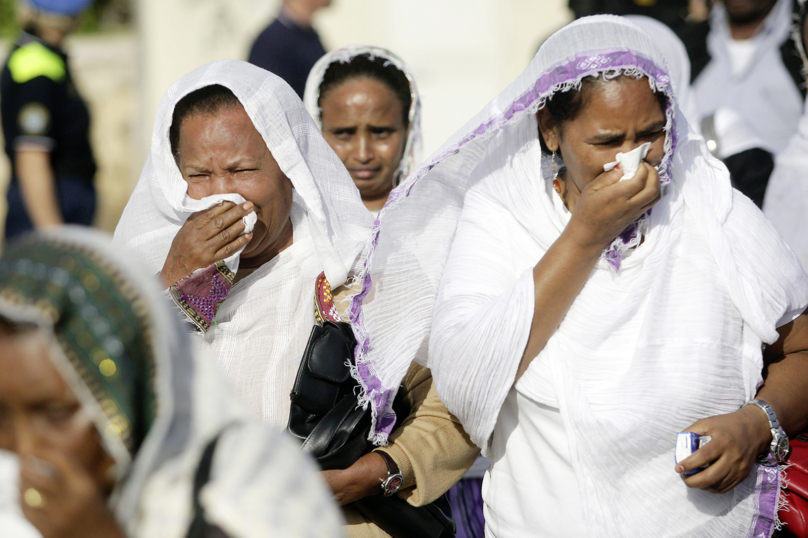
(35, 60)
(33, 119)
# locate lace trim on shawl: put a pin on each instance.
(562, 77)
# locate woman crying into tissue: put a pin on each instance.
(235, 151)
(577, 314)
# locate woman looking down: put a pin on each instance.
(582, 320)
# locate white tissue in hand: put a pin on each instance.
(191, 205)
(629, 162)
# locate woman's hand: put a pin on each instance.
(607, 205)
(62, 500)
(361, 479)
(205, 238)
(737, 439)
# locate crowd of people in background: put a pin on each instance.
(503, 339)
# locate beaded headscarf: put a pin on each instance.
(100, 327)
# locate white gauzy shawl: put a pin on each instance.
(672, 335)
(311, 97)
(262, 327)
(260, 485)
(786, 201)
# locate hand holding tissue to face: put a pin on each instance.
(218, 228)
(629, 162)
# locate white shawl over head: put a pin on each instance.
(311, 98)
(339, 222)
(671, 336)
(260, 484)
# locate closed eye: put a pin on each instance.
(607, 142)
(651, 134)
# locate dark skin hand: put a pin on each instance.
(361, 479)
(737, 438)
(222, 153)
(205, 238)
(60, 451)
(75, 506)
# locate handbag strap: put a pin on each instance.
(199, 527)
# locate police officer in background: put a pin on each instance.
(45, 123)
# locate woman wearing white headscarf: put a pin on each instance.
(575, 332)
(114, 418)
(234, 132)
(310, 220)
(365, 100)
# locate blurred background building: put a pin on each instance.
(128, 52)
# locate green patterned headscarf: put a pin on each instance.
(101, 330)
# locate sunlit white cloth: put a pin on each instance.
(262, 327)
(672, 335)
(786, 201)
(412, 150)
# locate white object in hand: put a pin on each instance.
(189, 204)
(629, 162)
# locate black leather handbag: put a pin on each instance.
(326, 417)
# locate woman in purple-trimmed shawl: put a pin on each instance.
(591, 286)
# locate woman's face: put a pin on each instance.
(224, 153)
(363, 123)
(39, 414)
(616, 117)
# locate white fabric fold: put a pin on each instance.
(786, 201)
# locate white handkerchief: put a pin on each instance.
(191, 205)
(629, 162)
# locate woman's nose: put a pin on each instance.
(221, 184)
(364, 150)
(19, 436)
